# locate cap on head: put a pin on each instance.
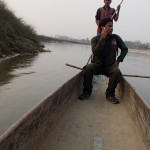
(104, 21)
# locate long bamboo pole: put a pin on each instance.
(116, 10)
(74, 66)
(126, 75)
(139, 76)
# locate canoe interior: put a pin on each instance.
(61, 121)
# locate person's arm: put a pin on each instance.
(124, 51)
(123, 47)
(97, 17)
(97, 22)
(98, 45)
(117, 13)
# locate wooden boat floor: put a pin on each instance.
(94, 124)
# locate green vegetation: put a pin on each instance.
(16, 35)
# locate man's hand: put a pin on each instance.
(104, 33)
(118, 7)
(116, 64)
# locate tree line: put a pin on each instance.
(130, 44)
(58, 38)
(138, 45)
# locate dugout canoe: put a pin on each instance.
(62, 122)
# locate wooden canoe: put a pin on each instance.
(62, 122)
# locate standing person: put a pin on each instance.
(105, 61)
(106, 12)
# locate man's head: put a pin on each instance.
(107, 2)
(107, 23)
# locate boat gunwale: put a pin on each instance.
(19, 123)
(134, 105)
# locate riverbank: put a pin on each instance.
(17, 37)
(15, 55)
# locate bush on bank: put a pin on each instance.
(15, 35)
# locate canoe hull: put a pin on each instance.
(29, 132)
(139, 110)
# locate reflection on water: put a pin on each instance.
(8, 66)
(26, 80)
(138, 64)
(31, 78)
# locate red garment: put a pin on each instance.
(98, 30)
(103, 13)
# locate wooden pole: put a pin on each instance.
(126, 75)
(116, 10)
(89, 59)
(139, 76)
(73, 66)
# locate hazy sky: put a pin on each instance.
(76, 18)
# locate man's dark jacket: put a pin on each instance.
(105, 50)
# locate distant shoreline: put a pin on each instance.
(15, 55)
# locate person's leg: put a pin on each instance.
(115, 77)
(89, 71)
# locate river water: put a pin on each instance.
(26, 80)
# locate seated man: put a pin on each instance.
(105, 49)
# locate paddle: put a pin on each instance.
(126, 75)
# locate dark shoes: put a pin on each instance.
(113, 100)
(83, 96)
